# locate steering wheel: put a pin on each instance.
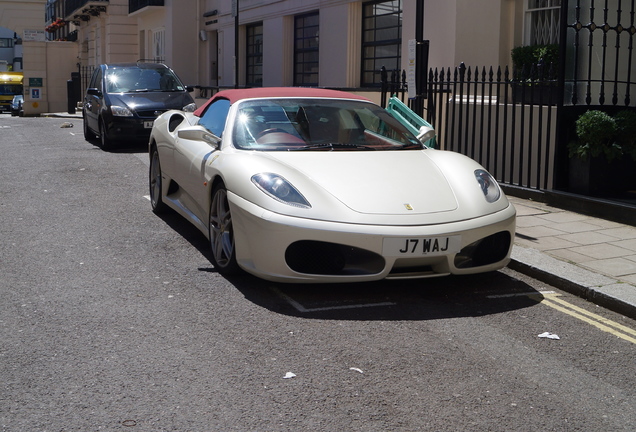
(270, 130)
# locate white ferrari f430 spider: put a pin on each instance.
(313, 185)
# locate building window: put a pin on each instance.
(159, 46)
(6, 43)
(306, 50)
(381, 39)
(254, 55)
(542, 22)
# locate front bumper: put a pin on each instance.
(290, 249)
(129, 128)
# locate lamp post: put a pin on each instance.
(421, 58)
(235, 12)
(419, 20)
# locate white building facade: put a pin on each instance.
(325, 43)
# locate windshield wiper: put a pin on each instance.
(147, 90)
(332, 146)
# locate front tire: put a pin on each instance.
(155, 183)
(222, 232)
(105, 142)
(89, 135)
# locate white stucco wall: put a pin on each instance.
(53, 62)
(338, 53)
(277, 51)
(61, 60)
(476, 33)
(20, 15)
(182, 38)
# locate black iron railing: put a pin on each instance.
(599, 40)
(135, 5)
(76, 7)
(86, 8)
(85, 77)
(486, 115)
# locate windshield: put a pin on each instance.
(318, 124)
(10, 89)
(135, 79)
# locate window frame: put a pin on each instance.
(376, 43)
(214, 118)
(299, 65)
(158, 42)
(6, 43)
(551, 10)
(254, 52)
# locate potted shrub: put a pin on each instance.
(601, 161)
(626, 139)
(535, 74)
(596, 133)
(626, 132)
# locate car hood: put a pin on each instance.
(151, 100)
(382, 183)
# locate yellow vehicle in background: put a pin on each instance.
(10, 85)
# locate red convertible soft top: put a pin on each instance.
(277, 92)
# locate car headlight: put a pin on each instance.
(190, 107)
(280, 189)
(119, 111)
(488, 185)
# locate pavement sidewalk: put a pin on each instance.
(586, 256)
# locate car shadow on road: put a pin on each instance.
(418, 299)
(188, 231)
(124, 147)
(415, 299)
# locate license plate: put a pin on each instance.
(148, 124)
(421, 246)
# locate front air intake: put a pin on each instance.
(488, 250)
(323, 258)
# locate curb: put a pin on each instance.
(62, 115)
(604, 291)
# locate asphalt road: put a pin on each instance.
(113, 319)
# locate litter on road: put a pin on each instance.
(548, 335)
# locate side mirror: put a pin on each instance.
(426, 133)
(94, 92)
(199, 133)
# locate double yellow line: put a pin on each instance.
(552, 299)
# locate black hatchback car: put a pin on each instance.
(123, 100)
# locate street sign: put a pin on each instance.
(411, 70)
(33, 35)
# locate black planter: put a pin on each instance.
(542, 93)
(595, 176)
